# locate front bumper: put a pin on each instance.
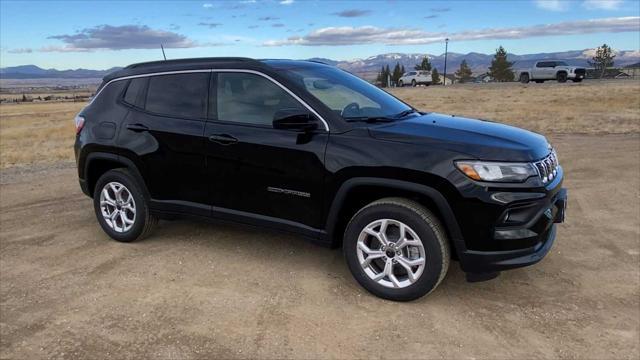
(542, 225)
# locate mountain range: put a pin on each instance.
(368, 67)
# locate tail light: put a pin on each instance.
(79, 120)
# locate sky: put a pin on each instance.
(104, 34)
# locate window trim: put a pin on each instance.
(304, 103)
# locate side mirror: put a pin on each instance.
(294, 119)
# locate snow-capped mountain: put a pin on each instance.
(370, 66)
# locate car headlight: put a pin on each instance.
(497, 171)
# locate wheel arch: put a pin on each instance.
(98, 163)
(357, 192)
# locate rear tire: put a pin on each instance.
(524, 78)
(577, 80)
(415, 243)
(562, 77)
(121, 208)
(413, 83)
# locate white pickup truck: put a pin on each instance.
(415, 78)
(551, 70)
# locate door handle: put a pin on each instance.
(223, 139)
(137, 127)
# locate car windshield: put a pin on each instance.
(349, 96)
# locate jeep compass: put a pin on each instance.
(304, 147)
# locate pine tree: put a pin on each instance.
(387, 74)
(397, 73)
(500, 69)
(380, 78)
(424, 65)
(435, 76)
(603, 59)
(464, 73)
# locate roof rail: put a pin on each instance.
(190, 60)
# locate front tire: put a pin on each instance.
(396, 249)
(524, 78)
(562, 77)
(400, 83)
(577, 80)
(413, 83)
(121, 208)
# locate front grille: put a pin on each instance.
(548, 167)
(581, 71)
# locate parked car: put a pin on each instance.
(551, 70)
(415, 78)
(308, 148)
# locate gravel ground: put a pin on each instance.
(204, 290)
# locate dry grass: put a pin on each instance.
(37, 132)
(44, 132)
(591, 107)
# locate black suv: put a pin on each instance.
(305, 147)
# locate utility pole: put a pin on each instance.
(446, 50)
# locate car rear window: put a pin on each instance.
(135, 91)
(179, 95)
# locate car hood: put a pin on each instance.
(481, 139)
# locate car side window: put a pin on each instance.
(250, 99)
(178, 95)
(134, 94)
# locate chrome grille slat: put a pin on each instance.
(548, 167)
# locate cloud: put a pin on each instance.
(20, 51)
(174, 27)
(286, 2)
(268, 18)
(253, 26)
(207, 6)
(553, 5)
(278, 25)
(120, 38)
(210, 25)
(440, 10)
(602, 4)
(431, 16)
(336, 36)
(352, 13)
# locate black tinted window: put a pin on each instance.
(250, 98)
(181, 95)
(135, 91)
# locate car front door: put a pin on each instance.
(253, 168)
(164, 133)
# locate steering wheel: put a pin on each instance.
(351, 109)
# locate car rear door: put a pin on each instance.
(164, 134)
(253, 168)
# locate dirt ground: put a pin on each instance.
(202, 290)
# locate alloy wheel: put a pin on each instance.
(391, 253)
(118, 207)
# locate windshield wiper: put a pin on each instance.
(404, 113)
(369, 119)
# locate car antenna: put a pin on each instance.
(163, 55)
